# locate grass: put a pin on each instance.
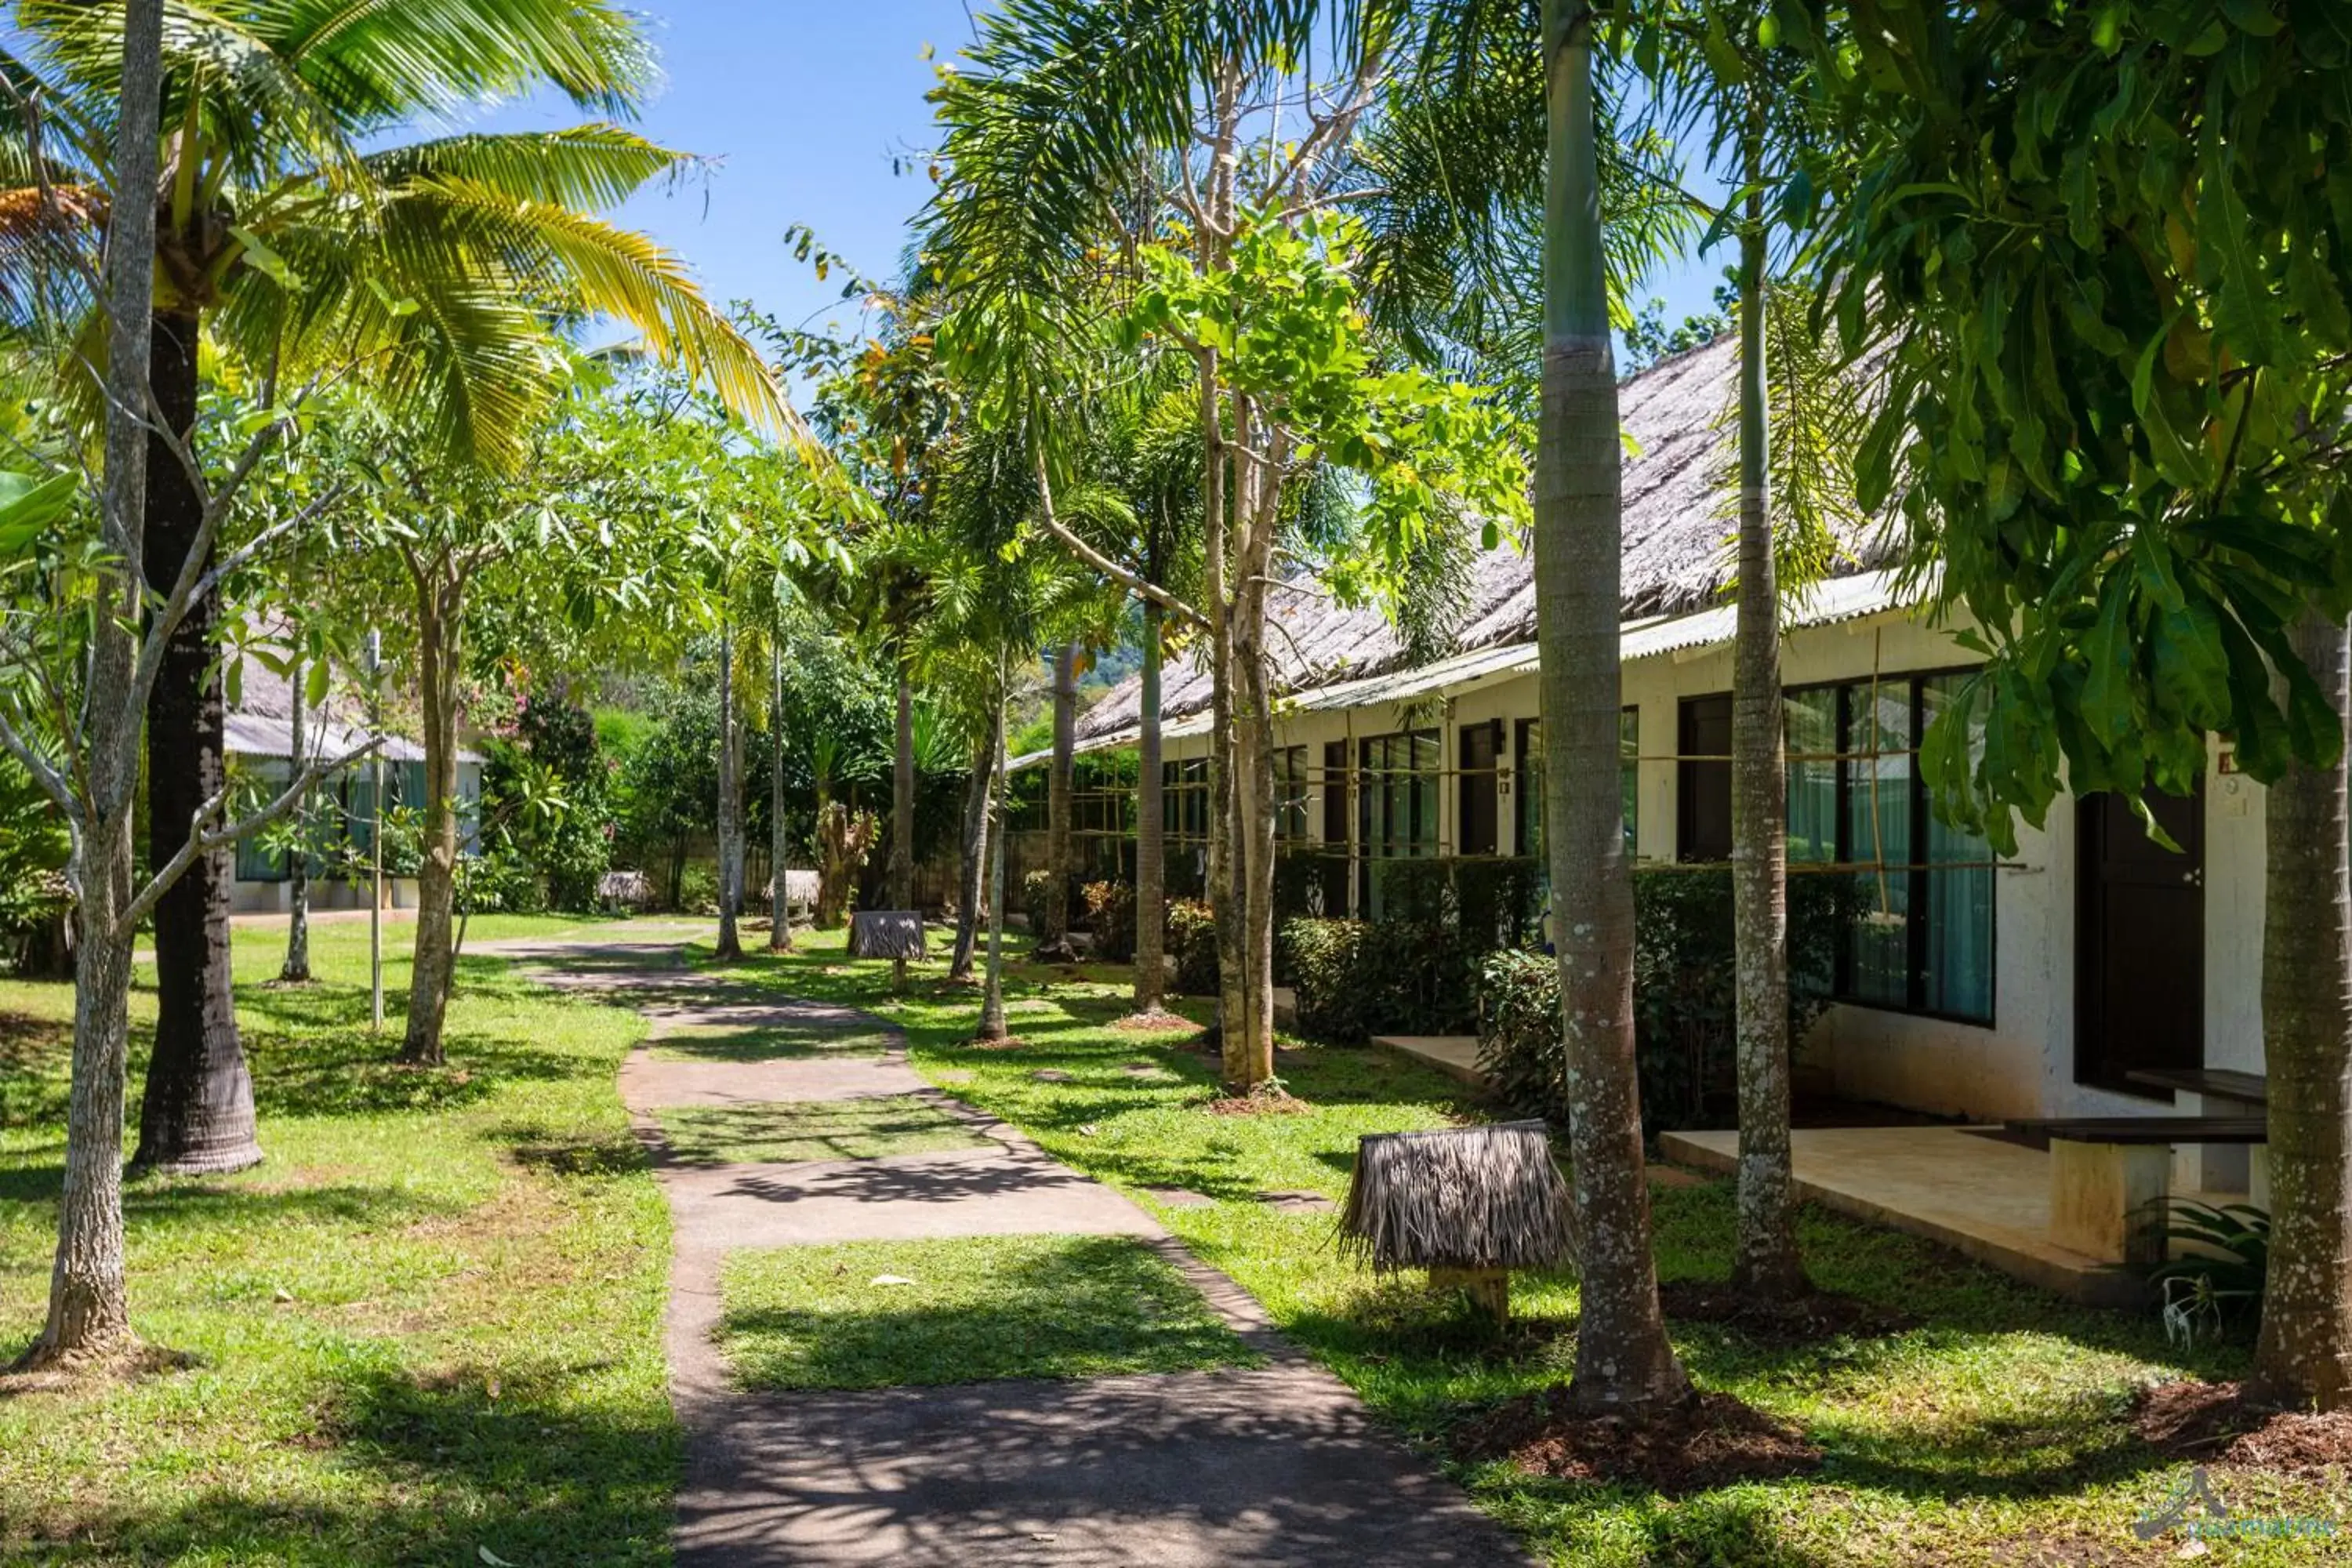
(427, 1325)
(763, 1043)
(782, 1131)
(1994, 1432)
(963, 1310)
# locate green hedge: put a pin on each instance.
(1684, 997)
(1355, 978)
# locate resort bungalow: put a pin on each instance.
(2042, 985)
(342, 819)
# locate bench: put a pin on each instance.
(2211, 1091)
(2110, 1176)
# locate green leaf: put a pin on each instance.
(266, 261)
(29, 506)
(2107, 686)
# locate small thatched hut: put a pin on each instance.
(1469, 1203)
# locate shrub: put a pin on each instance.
(1110, 915)
(1192, 939)
(502, 883)
(2220, 1281)
(1355, 978)
(1034, 886)
(698, 891)
(1685, 996)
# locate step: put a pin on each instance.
(1456, 1056)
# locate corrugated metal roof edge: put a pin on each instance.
(1828, 603)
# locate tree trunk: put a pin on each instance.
(780, 911)
(2304, 1354)
(296, 970)
(1248, 1059)
(992, 1005)
(88, 1312)
(731, 807)
(1150, 834)
(1056, 947)
(1765, 1262)
(197, 1114)
(971, 869)
(901, 869)
(1623, 1361)
(440, 606)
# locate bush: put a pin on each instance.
(1192, 939)
(1684, 997)
(1034, 887)
(502, 883)
(698, 891)
(1496, 901)
(1355, 978)
(1110, 915)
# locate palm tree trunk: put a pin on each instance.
(196, 1113)
(901, 877)
(730, 806)
(440, 611)
(296, 970)
(88, 1306)
(780, 912)
(992, 1004)
(1623, 1361)
(1765, 1262)
(2303, 1353)
(1150, 834)
(1055, 948)
(971, 869)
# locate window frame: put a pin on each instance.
(1918, 816)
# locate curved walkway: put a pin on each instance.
(1275, 1464)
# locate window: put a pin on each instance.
(1479, 829)
(1703, 786)
(1184, 800)
(1399, 795)
(1291, 781)
(256, 860)
(1530, 783)
(1922, 940)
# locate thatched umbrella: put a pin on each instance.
(1469, 1203)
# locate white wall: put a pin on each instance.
(2024, 1063)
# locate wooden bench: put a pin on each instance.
(2110, 1176)
(2210, 1091)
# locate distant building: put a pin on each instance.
(260, 746)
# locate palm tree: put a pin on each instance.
(1622, 1357)
(302, 251)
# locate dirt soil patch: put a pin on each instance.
(1276, 1104)
(2216, 1422)
(1155, 1023)
(1798, 1320)
(1708, 1441)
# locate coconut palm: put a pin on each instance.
(289, 239)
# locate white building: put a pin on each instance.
(2029, 987)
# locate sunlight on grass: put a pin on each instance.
(875, 1314)
(1993, 1432)
(429, 1323)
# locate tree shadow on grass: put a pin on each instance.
(514, 1457)
(252, 1197)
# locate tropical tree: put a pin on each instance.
(84, 642)
(2102, 245)
(285, 233)
(1797, 420)
(1162, 165)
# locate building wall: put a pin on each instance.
(2022, 1064)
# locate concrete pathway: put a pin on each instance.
(1274, 1465)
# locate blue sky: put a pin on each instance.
(800, 106)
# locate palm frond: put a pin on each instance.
(592, 168)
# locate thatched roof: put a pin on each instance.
(1677, 554)
(1459, 1197)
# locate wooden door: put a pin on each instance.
(1478, 830)
(2139, 959)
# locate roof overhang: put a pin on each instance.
(1826, 604)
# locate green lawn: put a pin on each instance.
(428, 1325)
(1994, 1432)
(781, 1132)
(877, 1314)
